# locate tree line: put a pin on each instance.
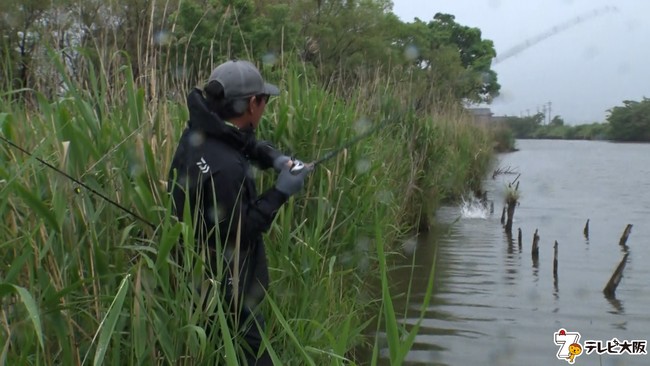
(627, 123)
(173, 44)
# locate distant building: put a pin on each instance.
(481, 115)
(499, 119)
(485, 115)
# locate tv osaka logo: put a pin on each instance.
(569, 343)
(570, 346)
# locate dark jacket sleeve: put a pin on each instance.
(226, 203)
(264, 153)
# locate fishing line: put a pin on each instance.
(82, 184)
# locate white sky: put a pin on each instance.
(583, 70)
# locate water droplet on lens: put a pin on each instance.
(582, 293)
(364, 264)
(495, 4)
(216, 214)
(229, 253)
(269, 59)
(362, 125)
(162, 38)
(363, 166)
(363, 244)
(180, 72)
(410, 245)
(385, 197)
(196, 138)
(135, 170)
(411, 52)
(181, 180)
(253, 295)
(533, 295)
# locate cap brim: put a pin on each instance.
(271, 89)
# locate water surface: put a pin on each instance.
(493, 306)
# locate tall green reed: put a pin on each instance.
(92, 282)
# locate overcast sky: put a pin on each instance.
(583, 69)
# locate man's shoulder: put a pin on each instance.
(220, 157)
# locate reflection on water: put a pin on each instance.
(494, 305)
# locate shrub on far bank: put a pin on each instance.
(503, 138)
(533, 128)
(594, 131)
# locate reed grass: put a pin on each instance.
(86, 281)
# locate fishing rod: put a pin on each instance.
(82, 184)
(298, 165)
(296, 168)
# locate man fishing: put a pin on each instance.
(211, 170)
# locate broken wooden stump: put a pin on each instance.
(511, 200)
(626, 233)
(586, 230)
(511, 215)
(555, 260)
(535, 250)
(610, 288)
(555, 285)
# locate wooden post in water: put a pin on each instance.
(503, 216)
(535, 250)
(610, 288)
(511, 200)
(555, 260)
(626, 233)
(555, 286)
(586, 230)
(519, 238)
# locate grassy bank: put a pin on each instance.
(86, 281)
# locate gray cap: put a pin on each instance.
(241, 79)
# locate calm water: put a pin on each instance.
(492, 306)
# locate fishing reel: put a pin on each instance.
(297, 167)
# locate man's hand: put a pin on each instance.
(289, 183)
(280, 161)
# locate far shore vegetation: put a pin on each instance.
(629, 122)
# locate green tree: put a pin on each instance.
(19, 26)
(343, 39)
(525, 127)
(433, 65)
(208, 32)
(479, 82)
(557, 121)
(450, 58)
(630, 122)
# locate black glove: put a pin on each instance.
(289, 183)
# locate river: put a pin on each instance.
(492, 306)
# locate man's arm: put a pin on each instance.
(226, 206)
(265, 156)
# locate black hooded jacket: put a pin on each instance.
(211, 168)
